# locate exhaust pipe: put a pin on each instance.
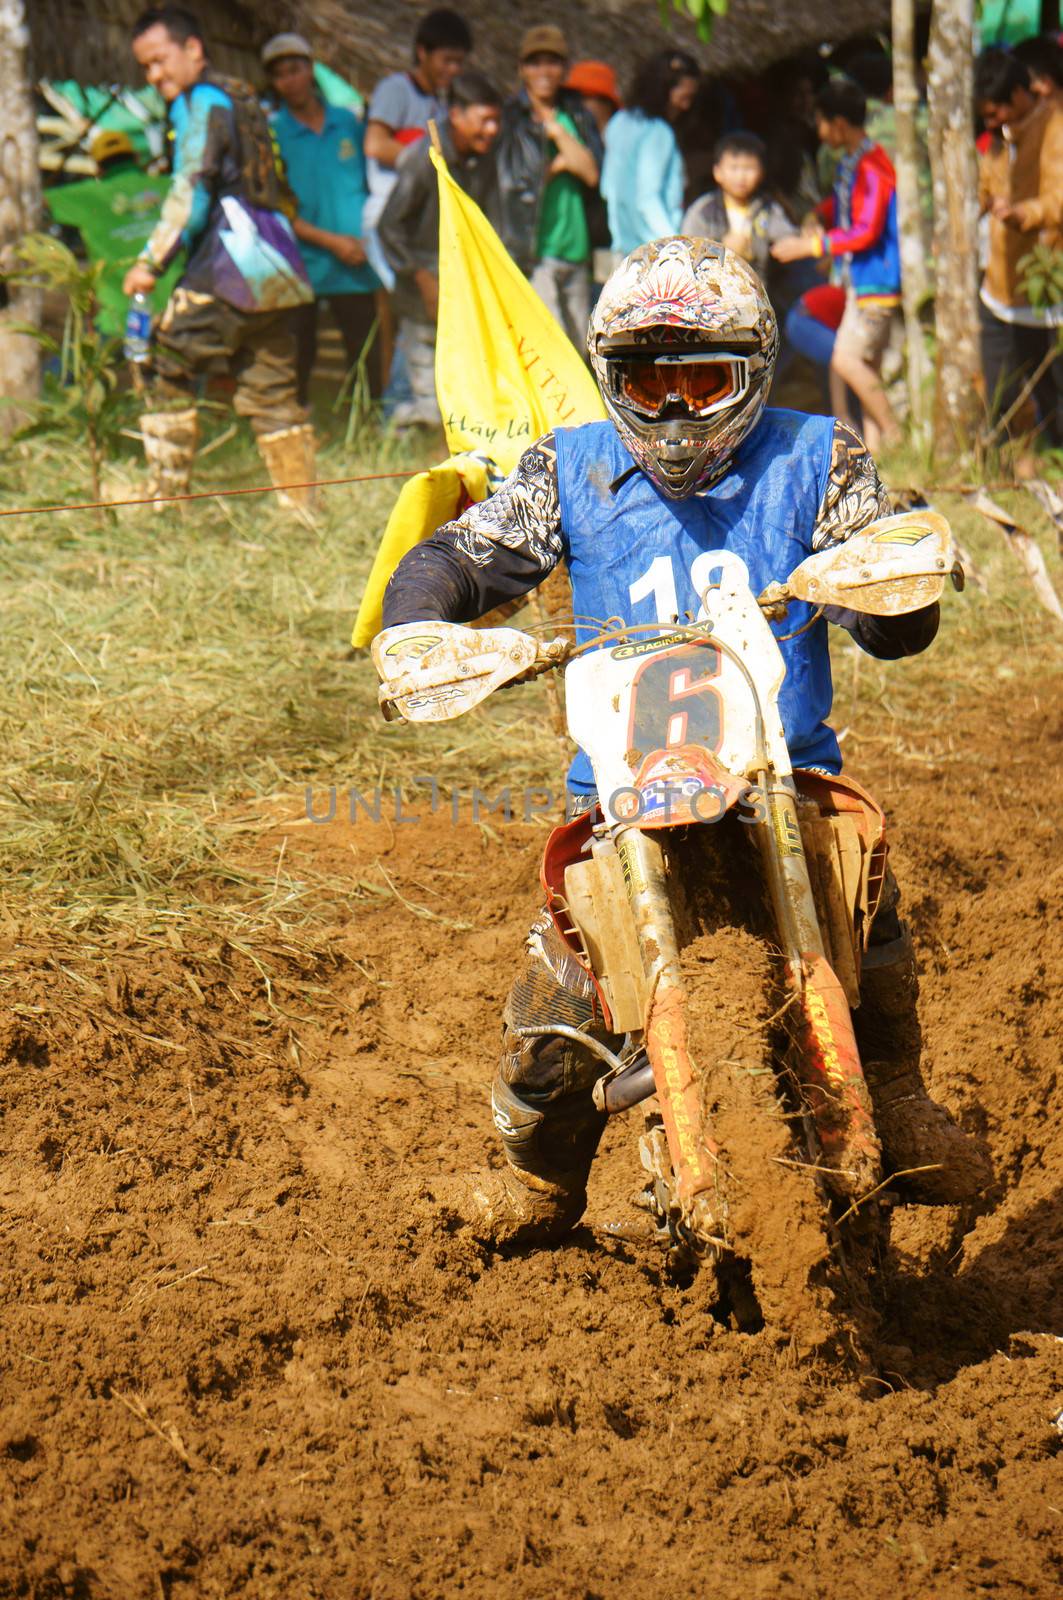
(628, 1088)
(619, 1090)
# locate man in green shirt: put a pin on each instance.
(114, 214)
(549, 156)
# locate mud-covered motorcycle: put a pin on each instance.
(721, 902)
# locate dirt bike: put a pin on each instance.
(721, 903)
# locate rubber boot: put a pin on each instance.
(915, 1131)
(169, 449)
(290, 457)
(541, 1193)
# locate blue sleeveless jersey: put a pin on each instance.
(637, 555)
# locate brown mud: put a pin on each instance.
(233, 1366)
(766, 1206)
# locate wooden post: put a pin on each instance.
(957, 402)
(914, 276)
(20, 204)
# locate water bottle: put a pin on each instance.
(137, 344)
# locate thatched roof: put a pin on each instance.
(362, 39)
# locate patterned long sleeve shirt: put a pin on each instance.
(505, 546)
(226, 204)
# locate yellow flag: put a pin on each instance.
(505, 375)
(428, 500)
(505, 371)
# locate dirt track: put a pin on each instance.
(234, 1368)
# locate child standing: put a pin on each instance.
(737, 212)
(861, 232)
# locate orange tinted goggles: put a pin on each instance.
(704, 383)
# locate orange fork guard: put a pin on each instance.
(566, 845)
(838, 796)
(832, 1075)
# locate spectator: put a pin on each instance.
(596, 85)
(1021, 187)
(642, 178)
(114, 214)
(787, 120)
(409, 228)
(322, 149)
(403, 104)
(400, 109)
(548, 160)
(874, 73)
(228, 207)
(737, 212)
(861, 219)
(1043, 60)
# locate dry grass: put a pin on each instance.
(987, 638)
(165, 675)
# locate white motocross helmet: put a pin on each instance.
(683, 343)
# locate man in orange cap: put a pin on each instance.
(596, 85)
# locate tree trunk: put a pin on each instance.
(957, 405)
(20, 203)
(914, 277)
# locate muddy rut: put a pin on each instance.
(237, 1363)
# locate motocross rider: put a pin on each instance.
(683, 343)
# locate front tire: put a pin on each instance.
(794, 1258)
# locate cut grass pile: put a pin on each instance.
(166, 674)
(167, 677)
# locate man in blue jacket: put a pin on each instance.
(228, 208)
(689, 471)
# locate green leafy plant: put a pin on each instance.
(703, 13)
(81, 397)
(355, 394)
(1041, 276)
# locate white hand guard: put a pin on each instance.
(433, 671)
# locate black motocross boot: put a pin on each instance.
(541, 1104)
(936, 1162)
(541, 1192)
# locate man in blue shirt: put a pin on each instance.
(323, 151)
(227, 208)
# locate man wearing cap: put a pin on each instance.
(549, 156)
(228, 208)
(595, 83)
(114, 214)
(322, 147)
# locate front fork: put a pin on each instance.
(691, 1147)
(828, 1061)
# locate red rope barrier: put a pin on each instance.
(203, 494)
